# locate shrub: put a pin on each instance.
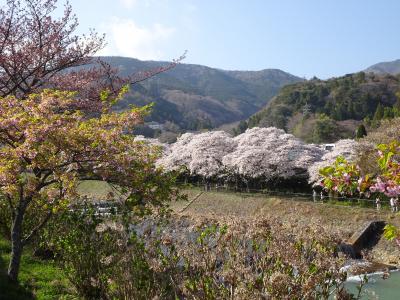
(233, 260)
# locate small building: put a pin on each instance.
(155, 125)
(328, 147)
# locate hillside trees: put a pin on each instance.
(324, 130)
(352, 97)
(48, 147)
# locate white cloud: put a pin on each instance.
(126, 38)
(128, 3)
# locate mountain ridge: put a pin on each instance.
(195, 96)
(389, 67)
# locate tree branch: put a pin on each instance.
(35, 230)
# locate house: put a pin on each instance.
(328, 147)
(155, 125)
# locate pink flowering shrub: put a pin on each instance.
(347, 179)
(49, 146)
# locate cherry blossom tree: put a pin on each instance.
(201, 154)
(346, 178)
(48, 147)
(266, 153)
(270, 153)
(38, 50)
(346, 148)
(165, 148)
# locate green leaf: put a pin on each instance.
(326, 171)
(390, 232)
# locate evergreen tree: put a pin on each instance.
(397, 104)
(379, 112)
(242, 127)
(361, 131)
(324, 130)
(367, 121)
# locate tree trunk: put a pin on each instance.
(16, 243)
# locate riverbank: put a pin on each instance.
(295, 213)
(42, 279)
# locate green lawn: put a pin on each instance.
(39, 279)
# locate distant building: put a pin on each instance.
(328, 147)
(155, 125)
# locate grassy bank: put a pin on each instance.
(38, 279)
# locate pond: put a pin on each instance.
(377, 288)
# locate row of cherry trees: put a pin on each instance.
(261, 155)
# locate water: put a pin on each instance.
(377, 288)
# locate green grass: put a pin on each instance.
(96, 189)
(38, 279)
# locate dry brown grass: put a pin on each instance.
(340, 220)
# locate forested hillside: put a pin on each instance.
(327, 110)
(196, 97)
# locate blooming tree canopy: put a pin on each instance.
(343, 148)
(266, 153)
(201, 154)
(165, 148)
(39, 49)
(48, 147)
(270, 153)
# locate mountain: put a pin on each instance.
(390, 67)
(327, 110)
(194, 96)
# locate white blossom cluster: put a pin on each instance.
(345, 148)
(265, 153)
(201, 154)
(270, 153)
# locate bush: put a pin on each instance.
(100, 257)
(247, 260)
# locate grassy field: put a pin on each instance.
(95, 189)
(39, 279)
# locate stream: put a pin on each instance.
(377, 288)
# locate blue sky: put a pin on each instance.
(324, 38)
